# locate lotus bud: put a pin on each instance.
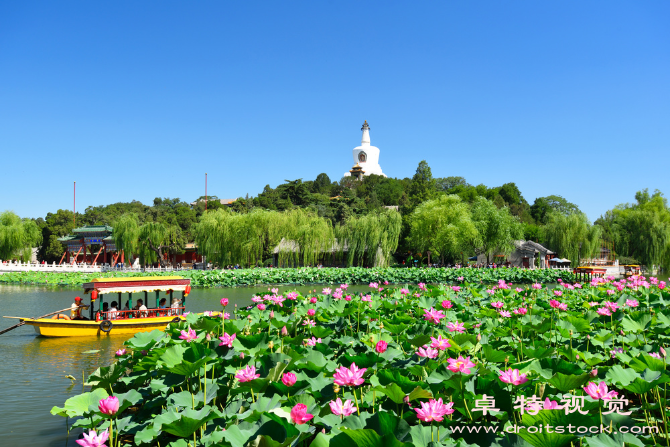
(570, 332)
(479, 337)
(622, 332)
(272, 314)
(381, 325)
(372, 338)
(249, 317)
(271, 345)
(588, 337)
(662, 351)
(336, 388)
(594, 372)
(540, 390)
(577, 356)
(284, 331)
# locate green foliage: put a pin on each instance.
(17, 236)
(497, 228)
(544, 206)
(572, 235)
(373, 237)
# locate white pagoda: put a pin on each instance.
(366, 157)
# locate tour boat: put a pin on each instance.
(120, 321)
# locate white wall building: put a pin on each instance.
(366, 156)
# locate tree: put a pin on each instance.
(55, 225)
(151, 241)
(443, 226)
(543, 206)
(372, 237)
(447, 184)
(572, 236)
(422, 187)
(17, 236)
(322, 184)
(497, 228)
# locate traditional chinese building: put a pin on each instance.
(90, 244)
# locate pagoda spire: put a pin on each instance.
(365, 141)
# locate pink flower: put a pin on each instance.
(347, 298)
(374, 285)
(260, 306)
(367, 298)
(551, 404)
(456, 327)
(288, 379)
(312, 341)
(422, 286)
(299, 414)
(404, 292)
(456, 288)
(521, 311)
(340, 409)
(655, 354)
(519, 289)
(284, 331)
(504, 313)
(611, 306)
(344, 286)
(433, 410)
(308, 322)
(226, 316)
(381, 346)
(352, 376)
(558, 293)
(292, 295)
(425, 351)
(460, 365)
(109, 406)
(610, 292)
(439, 343)
(313, 300)
(460, 278)
(433, 315)
(446, 304)
(188, 336)
(604, 311)
(311, 312)
(554, 303)
(632, 303)
(247, 374)
(594, 303)
(563, 306)
(599, 391)
(661, 285)
(227, 340)
(224, 301)
(537, 286)
(386, 283)
(93, 440)
(256, 299)
(120, 352)
(577, 285)
(513, 376)
(326, 291)
(497, 304)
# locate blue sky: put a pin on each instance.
(135, 100)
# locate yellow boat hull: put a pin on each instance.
(84, 328)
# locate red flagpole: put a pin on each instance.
(205, 192)
(74, 206)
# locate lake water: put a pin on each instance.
(33, 369)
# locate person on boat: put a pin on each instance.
(162, 304)
(113, 311)
(141, 308)
(75, 309)
(176, 303)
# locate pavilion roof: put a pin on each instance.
(93, 229)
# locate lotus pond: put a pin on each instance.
(469, 364)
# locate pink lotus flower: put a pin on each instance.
(554, 303)
(558, 293)
(632, 303)
(422, 286)
(120, 352)
(288, 379)
(439, 343)
(456, 327)
(352, 376)
(456, 288)
(93, 440)
(577, 286)
(519, 289)
(434, 410)
(284, 331)
(655, 354)
(312, 341)
(308, 322)
(227, 340)
(374, 285)
(386, 283)
(313, 300)
(433, 315)
(521, 311)
(497, 304)
(340, 409)
(604, 311)
(504, 313)
(344, 286)
(326, 291)
(563, 306)
(460, 365)
(188, 336)
(226, 316)
(460, 278)
(260, 306)
(610, 292)
(347, 298)
(224, 302)
(594, 303)
(292, 295)
(247, 374)
(256, 299)
(551, 405)
(425, 351)
(367, 298)
(599, 391)
(311, 312)
(299, 414)
(381, 346)
(446, 304)
(208, 313)
(404, 292)
(513, 376)
(537, 286)
(611, 306)
(109, 406)
(661, 285)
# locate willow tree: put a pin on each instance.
(572, 236)
(497, 228)
(125, 232)
(17, 236)
(371, 238)
(443, 225)
(306, 237)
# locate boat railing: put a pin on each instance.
(139, 314)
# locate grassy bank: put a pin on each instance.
(354, 275)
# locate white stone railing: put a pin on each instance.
(9, 266)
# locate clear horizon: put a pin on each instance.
(137, 101)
